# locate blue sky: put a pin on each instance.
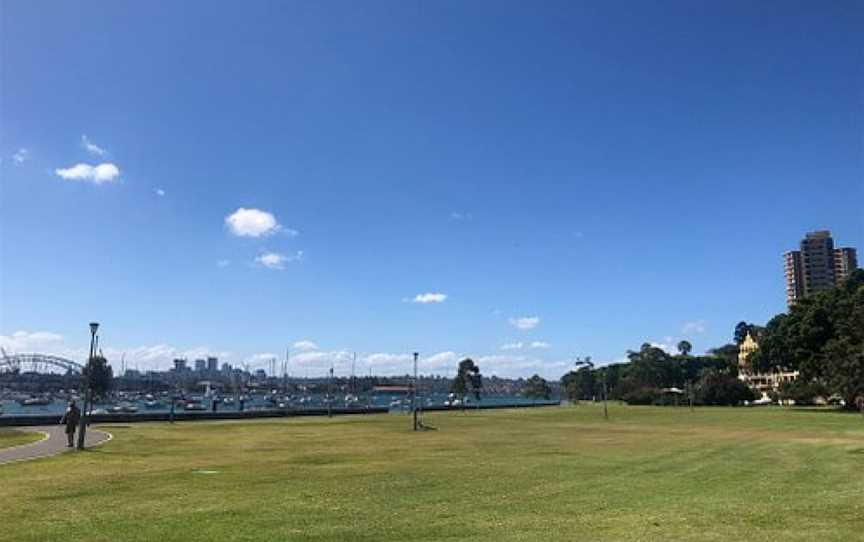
(577, 176)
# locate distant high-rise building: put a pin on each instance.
(845, 262)
(200, 365)
(179, 365)
(226, 368)
(817, 266)
(212, 364)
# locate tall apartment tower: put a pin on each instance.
(817, 266)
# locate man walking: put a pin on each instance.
(71, 418)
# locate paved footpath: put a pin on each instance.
(55, 443)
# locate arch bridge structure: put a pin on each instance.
(40, 363)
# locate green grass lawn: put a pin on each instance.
(545, 474)
(14, 437)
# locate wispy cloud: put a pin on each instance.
(91, 147)
(99, 174)
(274, 260)
(540, 345)
(429, 297)
(693, 328)
(512, 346)
(21, 156)
(525, 322)
(458, 216)
(223, 263)
(304, 346)
(159, 192)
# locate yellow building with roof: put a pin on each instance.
(760, 382)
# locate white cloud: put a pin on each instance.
(440, 361)
(24, 341)
(150, 357)
(21, 156)
(525, 322)
(102, 173)
(540, 345)
(429, 297)
(223, 263)
(91, 147)
(274, 260)
(388, 359)
(522, 366)
(461, 216)
(252, 223)
(312, 362)
(260, 361)
(160, 192)
(304, 346)
(512, 346)
(693, 328)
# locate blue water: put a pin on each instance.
(260, 402)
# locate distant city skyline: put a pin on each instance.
(519, 184)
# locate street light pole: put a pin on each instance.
(330, 394)
(414, 393)
(605, 393)
(85, 418)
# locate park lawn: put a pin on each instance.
(14, 437)
(545, 474)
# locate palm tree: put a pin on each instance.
(684, 348)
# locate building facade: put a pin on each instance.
(817, 266)
(763, 383)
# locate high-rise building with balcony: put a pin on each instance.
(817, 266)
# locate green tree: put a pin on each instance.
(803, 392)
(468, 379)
(741, 329)
(716, 388)
(537, 388)
(99, 376)
(580, 384)
(729, 354)
(822, 337)
(684, 348)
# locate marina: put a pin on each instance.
(55, 404)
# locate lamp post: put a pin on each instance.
(414, 393)
(590, 364)
(85, 418)
(330, 394)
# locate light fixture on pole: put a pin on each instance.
(85, 417)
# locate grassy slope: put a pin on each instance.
(547, 474)
(14, 437)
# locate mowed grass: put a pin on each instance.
(543, 474)
(14, 437)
